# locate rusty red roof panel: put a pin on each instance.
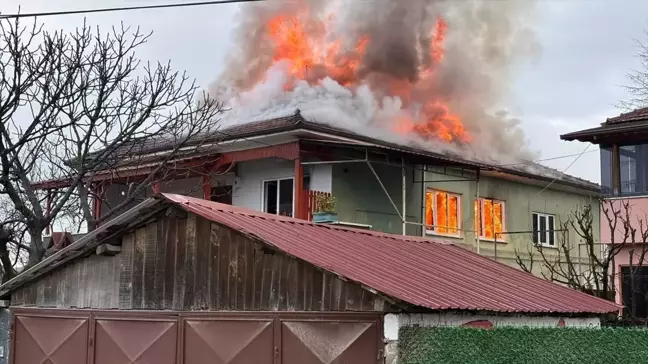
(422, 272)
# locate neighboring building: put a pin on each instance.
(278, 165)
(180, 279)
(623, 142)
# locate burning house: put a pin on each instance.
(379, 116)
(388, 109)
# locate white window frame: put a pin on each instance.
(538, 216)
(481, 231)
(432, 231)
(263, 182)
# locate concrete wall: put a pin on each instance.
(247, 183)
(393, 322)
(638, 214)
(638, 211)
(521, 201)
(249, 189)
(362, 200)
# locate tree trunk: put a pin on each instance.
(604, 281)
(36, 247)
(7, 267)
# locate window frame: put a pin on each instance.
(481, 228)
(536, 234)
(432, 231)
(278, 180)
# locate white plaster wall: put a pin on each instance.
(248, 187)
(393, 322)
(247, 190)
(321, 177)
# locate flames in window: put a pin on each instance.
(489, 220)
(442, 212)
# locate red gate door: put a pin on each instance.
(45, 339)
(223, 341)
(324, 342)
(126, 341)
(120, 337)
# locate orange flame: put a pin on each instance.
(304, 41)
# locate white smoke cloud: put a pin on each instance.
(484, 39)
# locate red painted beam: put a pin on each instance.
(299, 190)
(289, 151)
(206, 187)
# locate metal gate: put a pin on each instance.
(104, 337)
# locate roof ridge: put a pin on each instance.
(285, 219)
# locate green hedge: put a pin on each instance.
(419, 345)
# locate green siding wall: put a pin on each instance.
(362, 200)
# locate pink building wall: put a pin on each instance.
(638, 211)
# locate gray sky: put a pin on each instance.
(587, 49)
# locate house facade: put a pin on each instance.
(623, 142)
(278, 166)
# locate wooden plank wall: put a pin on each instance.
(193, 264)
(92, 282)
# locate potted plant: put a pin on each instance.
(324, 211)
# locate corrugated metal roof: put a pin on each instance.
(419, 271)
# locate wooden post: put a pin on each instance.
(98, 190)
(616, 170)
(48, 212)
(299, 190)
(206, 187)
(156, 187)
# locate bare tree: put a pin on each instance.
(588, 265)
(78, 106)
(638, 85)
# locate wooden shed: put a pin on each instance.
(184, 280)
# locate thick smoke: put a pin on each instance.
(482, 42)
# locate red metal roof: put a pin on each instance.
(422, 272)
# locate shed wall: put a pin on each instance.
(192, 264)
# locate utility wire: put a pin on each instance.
(125, 8)
(547, 159)
(565, 170)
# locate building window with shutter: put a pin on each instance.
(442, 213)
(490, 219)
(544, 230)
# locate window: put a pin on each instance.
(632, 172)
(632, 167)
(442, 213)
(278, 196)
(489, 219)
(634, 289)
(606, 170)
(544, 229)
